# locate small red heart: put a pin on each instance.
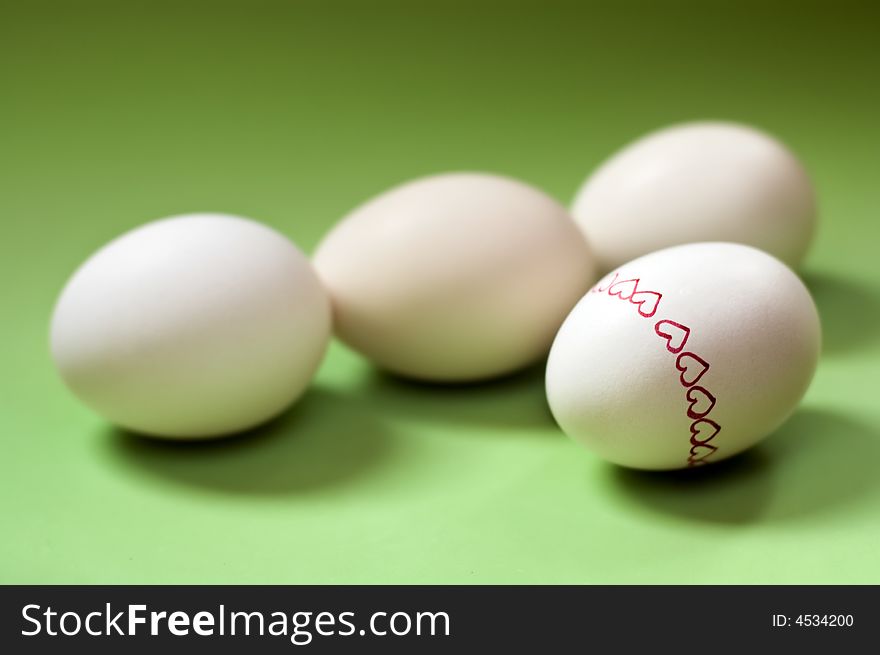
(648, 302)
(697, 430)
(624, 289)
(699, 454)
(692, 368)
(599, 288)
(676, 334)
(699, 396)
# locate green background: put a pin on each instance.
(292, 113)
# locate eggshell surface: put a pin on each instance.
(192, 326)
(705, 181)
(455, 277)
(684, 357)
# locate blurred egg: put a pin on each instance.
(191, 326)
(455, 277)
(696, 182)
(684, 357)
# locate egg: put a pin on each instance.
(684, 357)
(454, 277)
(192, 326)
(705, 181)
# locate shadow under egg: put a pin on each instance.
(322, 441)
(516, 401)
(818, 462)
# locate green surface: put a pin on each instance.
(292, 113)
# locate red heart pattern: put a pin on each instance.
(698, 455)
(624, 289)
(698, 431)
(690, 366)
(676, 334)
(600, 289)
(701, 402)
(647, 301)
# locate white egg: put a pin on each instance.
(454, 277)
(191, 326)
(684, 357)
(698, 182)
